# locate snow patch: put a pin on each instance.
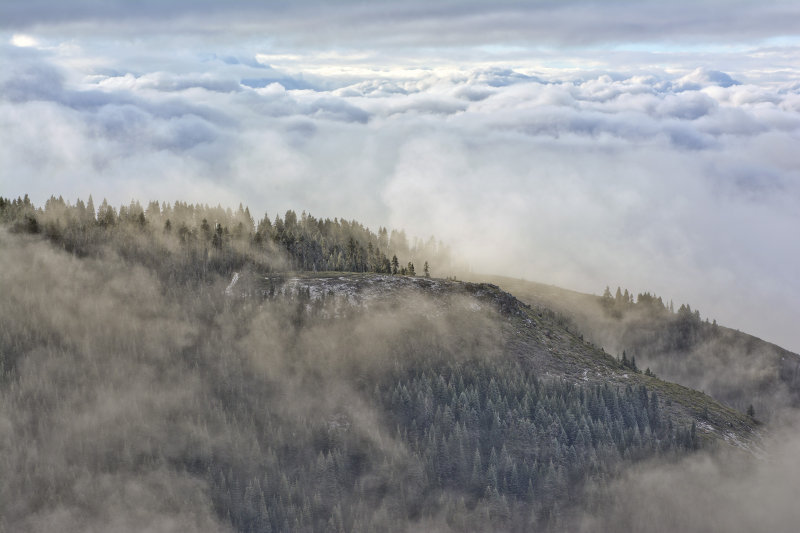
(229, 288)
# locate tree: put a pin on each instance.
(607, 300)
(426, 270)
(410, 269)
(750, 411)
(90, 213)
(206, 230)
(106, 215)
(395, 265)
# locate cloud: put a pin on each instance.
(23, 41)
(679, 179)
(701, 77)
(448, 23)
(703, 493)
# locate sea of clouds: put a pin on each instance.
(673, 170)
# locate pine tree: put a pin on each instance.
(90, 212)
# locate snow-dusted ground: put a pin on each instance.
(752, 445)
(232, 284)
(359, 290)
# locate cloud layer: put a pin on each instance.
(671, 169)
(414, 22)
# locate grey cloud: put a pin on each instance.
(338, 109)
(429, 106)
(473, 93)
(374, 89)
(411, 24)
(286, 82)
(33, 83)
(702, 78)
(688, 108)
(275, 101)
(170, 83)
(247, 61)
(731, 492)
(502, 77)
(587, 176)
(688, 138)
(303, 128)
(41, 81)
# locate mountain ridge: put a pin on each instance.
(713, 354)
(533, 335)
(202, 377)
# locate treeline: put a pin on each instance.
(622, 302)
(198, 240)
(742, 371)
(684, 328)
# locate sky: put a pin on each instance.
(648, 145)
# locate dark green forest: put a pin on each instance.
(139, 391)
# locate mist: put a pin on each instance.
(680, 345)
(607, 162)
(92, 408)
(133, 400)
(121, 400)
(178, 366)
(724, 491)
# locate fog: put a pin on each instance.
(727, 491)
(116, 388)
(92, 407)
(129, 404)
(679, 178)
(687, 347)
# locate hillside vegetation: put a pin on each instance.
(735, 368)
(154, 382)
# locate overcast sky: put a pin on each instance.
(652, 145)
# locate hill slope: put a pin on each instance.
(356, 402)
(536, 337)
(733, 367)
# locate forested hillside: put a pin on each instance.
(158, 376)
(185, 242)
(676, 343)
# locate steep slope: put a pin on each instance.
(733, 367)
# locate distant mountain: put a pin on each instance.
(677, 345)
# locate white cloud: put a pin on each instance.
(670, 171)
(23, 41)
